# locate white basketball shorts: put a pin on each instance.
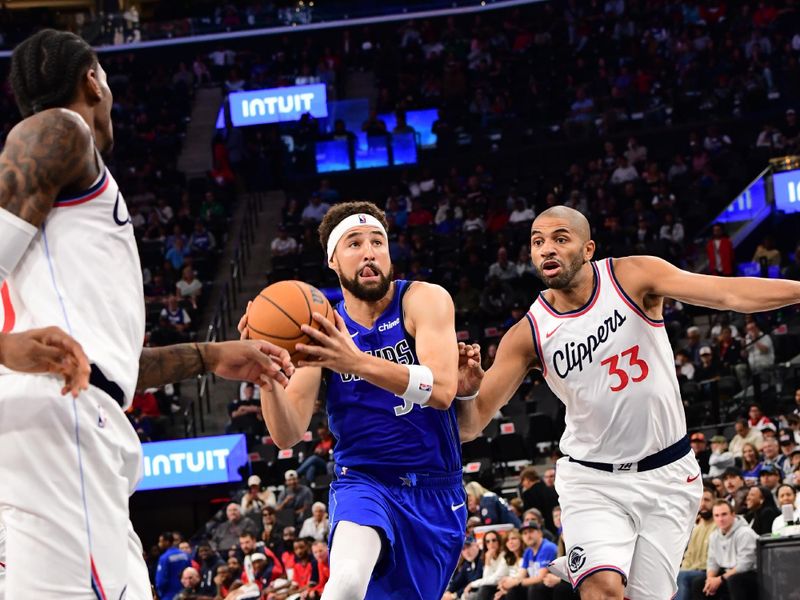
(68, 467)
(637, 524)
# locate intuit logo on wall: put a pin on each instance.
(196, 461)
(275, 105)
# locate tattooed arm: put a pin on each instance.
(43, 155)
(251, 360)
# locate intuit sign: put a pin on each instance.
(278, 104)
(196, 461)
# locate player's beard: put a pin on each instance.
(371, 293)
(565, 277)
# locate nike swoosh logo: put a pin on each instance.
(554, 330)
(352, 335)
(455, 507)
(691, 479)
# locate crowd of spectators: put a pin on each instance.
(270, 544)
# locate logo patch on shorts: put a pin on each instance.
(576, 559)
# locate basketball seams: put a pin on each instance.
(304, 293)
(288, 316)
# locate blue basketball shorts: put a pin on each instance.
(421, 519)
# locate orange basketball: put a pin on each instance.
(279, 310)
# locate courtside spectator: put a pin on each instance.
(744, 435)
(226, 535)
(171, 565)
(731, 558)
(469, 568)
(494, 566)
(317, 525)
(245, 413)
(720, 459)
(751, 464)
(770, 478)
(487, 505)
(539, 553)
(695, 559)
(320, 551)
(698, 443)
(256, 498)
(305, 574)
(788, 447)
(787, 496)
(758, 420)
(317, 463)
(190, 580)
(761, 509)
(209, 562)
(735, 490)
(536, 494)
(295, 495)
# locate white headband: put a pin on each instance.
(348, 223)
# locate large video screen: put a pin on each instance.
(747, 205)
(332, 156)
(786, 187)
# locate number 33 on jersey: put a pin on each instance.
(613, 368)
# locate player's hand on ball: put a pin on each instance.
(242, 325)
(470, 372)
(333, 349)
(47, 350)
(256, 361)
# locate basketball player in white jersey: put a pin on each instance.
(47, 350)
(68, 258)
(629, 485)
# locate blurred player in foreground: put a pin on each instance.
(69, 259)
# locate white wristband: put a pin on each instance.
(466, 398)
(420, 384)
(15, 237)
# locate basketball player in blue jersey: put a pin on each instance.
(68, 259)
(629, 485)
(390, 367)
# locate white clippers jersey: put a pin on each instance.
(613, 368)
(82, 274)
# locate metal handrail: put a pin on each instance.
(222, 318)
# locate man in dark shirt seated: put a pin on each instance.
(536, 494)
(245, 414)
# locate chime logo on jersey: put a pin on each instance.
(575, 355)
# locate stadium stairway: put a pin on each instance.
(264, 217)
(195, 159)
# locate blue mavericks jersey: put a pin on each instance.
(373, 427)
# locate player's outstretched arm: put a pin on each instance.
(43, 154)
(255, 361)
(647, 276)
(515, 356)
(47, 350)
(429, 317)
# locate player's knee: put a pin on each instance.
(602, 585)
(348, 581)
